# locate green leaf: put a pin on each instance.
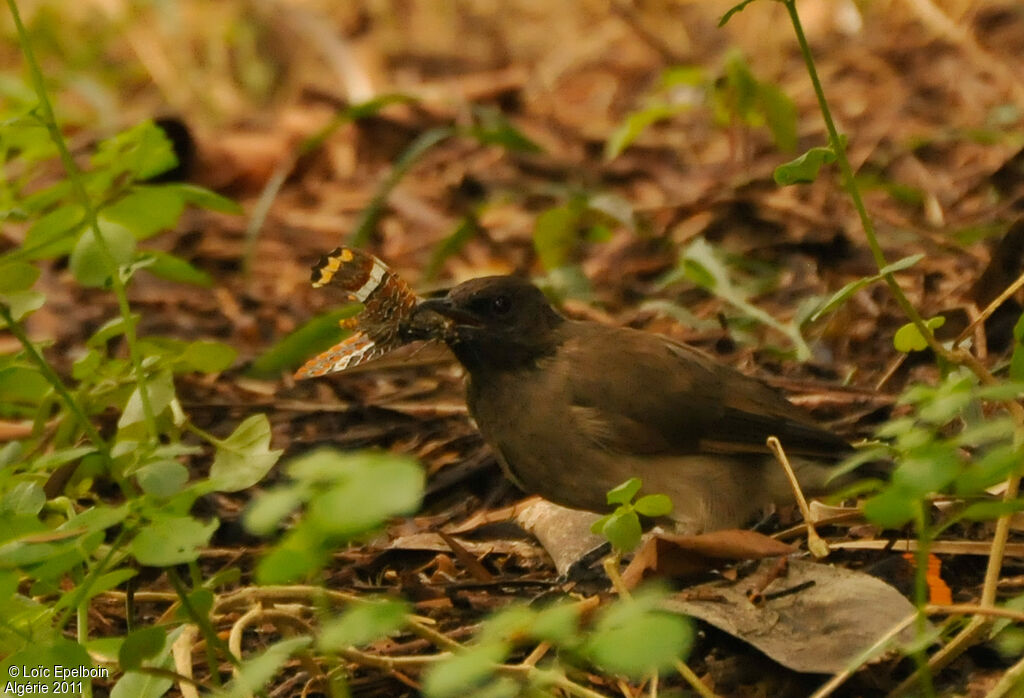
(136, 685)
(110, 329)
(463, 672)
(946, 406)
(174, 268)
(25, 498)
(927, 470)
(622, 529)
(1009, 390)
(653, 505)
(636, 123)
(598, 526)
(103, 583)
(557, 624)
(1017, 363)
(146, 209)
(16, 277)
(171, 540)
(465, 231)
(201, 600)
(624, 493)
(805, 168)
(892, 508)
(41, 654)
(208, 356)
(21, 304)
(368, 496)
(159, 389)
(732, 11)
(901, 264)
(25, 133)
(738, 95)
(297, 557)
(492, 127)
(268, 509)
(317, 335)
(144, 643)
(98, 518)
(682, 75)
(990, 511)
(143, 151)
(363, 623)
(164, 478)
(780, 114)
(90, 265)
(510, 624)
(555, 234)
(255, 674)
(908, 338)
(86, 365)
(245, 457)
(634, 639)
(204, 198)
(1017, 359)
(23, 386)
(840, 296)
(53, 234)
(993, 467)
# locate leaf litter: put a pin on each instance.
(920, 102)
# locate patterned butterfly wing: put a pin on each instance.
(387, 301)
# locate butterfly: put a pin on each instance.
(387, 303)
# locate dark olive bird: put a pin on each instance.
(574, 409)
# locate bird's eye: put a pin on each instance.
(501, 305)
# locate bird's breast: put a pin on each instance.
(526, 417)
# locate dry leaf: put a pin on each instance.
(816, 619)
(669, 555)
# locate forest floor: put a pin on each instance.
(930, 97)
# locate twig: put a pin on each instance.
(815, 543)
(990, 308)
(974, 609)
(691, 678)
(181, 651)
(537, 654)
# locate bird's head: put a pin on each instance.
(496, 322)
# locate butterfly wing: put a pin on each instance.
(387, 301)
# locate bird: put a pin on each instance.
(574, 408)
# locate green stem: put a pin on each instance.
(75, 177)
(924, 673)
(54, 380)
(213, 641)
(83, 637)
(82, 592)
(850, 185)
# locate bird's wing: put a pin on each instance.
(643, 393)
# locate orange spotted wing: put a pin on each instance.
(387, 301)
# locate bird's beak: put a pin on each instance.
(445, 308)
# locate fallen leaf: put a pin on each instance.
(816, 619)
(668, 555)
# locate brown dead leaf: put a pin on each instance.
(667, 555)
(564, 533)
(814, 619)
